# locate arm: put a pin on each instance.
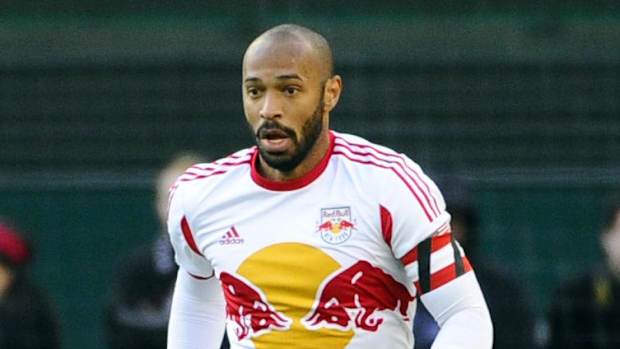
(450, 291)
(462, 314)
(197, 316)
(416, 226)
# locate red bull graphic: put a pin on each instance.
(249, 309)
(345, 224)
(289, 276)
(336, 224)
(327, 226)
(360, 290)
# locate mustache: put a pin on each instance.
(271, 125)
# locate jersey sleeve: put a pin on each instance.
(416, 225)
(187, 253)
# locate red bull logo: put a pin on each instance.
(295, 295)
(291, 291)
(249, 309)
(336, 225)
(351, 298)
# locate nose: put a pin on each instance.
(272, 106)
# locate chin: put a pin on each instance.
(280, 161)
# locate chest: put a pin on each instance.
(285, 258)
(341, 226)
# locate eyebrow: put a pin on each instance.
(289, 76)
(279, 77)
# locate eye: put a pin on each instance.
(291, 90)
(253, 92)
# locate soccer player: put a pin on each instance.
(313, 238)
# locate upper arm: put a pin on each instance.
(420, 234)
(434, 262)
(188, 254)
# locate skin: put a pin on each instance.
(6, 278)
(288, 93)
(166, 178)
(610, 240)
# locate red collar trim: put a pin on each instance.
(296, 183)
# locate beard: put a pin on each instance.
(310, 132)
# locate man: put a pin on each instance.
(27, 316)
(586, 311)
(318, 239)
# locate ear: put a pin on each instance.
(331, 92)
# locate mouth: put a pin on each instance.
(274, 140)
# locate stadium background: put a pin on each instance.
(512, 105)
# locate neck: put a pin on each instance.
(614, 270)
(6, 278)
(314, 157)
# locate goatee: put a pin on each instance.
(310, 133)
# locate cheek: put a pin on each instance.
(612, 245)
(251, 112)
(303, 111)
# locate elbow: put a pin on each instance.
(480, 324)
(486, 328)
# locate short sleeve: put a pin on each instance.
(420, 234)
(187, 252)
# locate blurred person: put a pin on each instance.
(313, 238)
(137, 315)
(27, 318)
(425, 328)
(585, 311)
(509, 304)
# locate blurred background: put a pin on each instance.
(511, 106)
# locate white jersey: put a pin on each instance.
(336, 259)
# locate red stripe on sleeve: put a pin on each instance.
(440, 241)
(448, 274)
(189, 237)
(437, 243)
(410, 256)
(386, 225)
(444, 276)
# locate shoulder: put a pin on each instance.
(359, 151)
(378, 162)
(371, 159)
(365, 164)
(204, 175)
(26, 295)
(350, 144)
(393, 179)
(221, 166)
(580, 286)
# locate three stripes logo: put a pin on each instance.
(231, 237)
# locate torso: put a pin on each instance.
(304, 263)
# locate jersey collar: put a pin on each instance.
(296, 183)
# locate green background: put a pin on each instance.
(512, 106)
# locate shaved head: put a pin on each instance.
(296, 37)
(288, 91)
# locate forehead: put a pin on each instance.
(615, 224)
(268, 59)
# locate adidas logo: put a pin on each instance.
(231, 237)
